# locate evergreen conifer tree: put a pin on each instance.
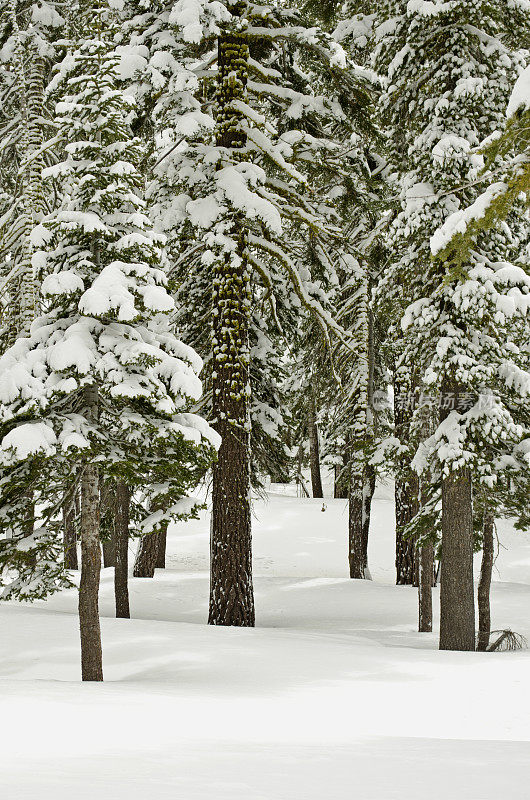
(448, 69)
(101, 386)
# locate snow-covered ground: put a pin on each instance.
(333, 695)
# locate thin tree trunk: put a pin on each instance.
(368, 493)
(314, 453)
(300, 477)
(146, 556)
(457, 603)
(231, 590)
(91, 654)
(69, 534)
(161, 550)
(362, 487)
(425, 581)
(484, 586)
(407, 506)
(407, 488)
(121, 550)
(356, 556)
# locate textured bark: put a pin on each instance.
(231, 590)
(108, 545)
(121, 550)
(69, 533)
(91, 655)
(484, 615)
(314, 453)
(301, 487)
(457, 604)
(368, 493)
(407, 506)
(340, 487)
(362, 486)
(425, 581)
(407, 488)
(355, 525)
(161, 550)
(146, 556)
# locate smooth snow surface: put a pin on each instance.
(334, 694)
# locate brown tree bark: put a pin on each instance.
(457, 603)
(355, 524)
(146, 556)
(121, 550)
(69, 534)
(231, 590)
(161, 550)
(91, 654)
(362, 486)
(407, 487)
(484, 586)
(107, 546)
(340, 484)
(457, 598)
(425, 581)
(368, 493)
(314, 452)
(407, 506)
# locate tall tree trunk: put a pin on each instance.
(355, 523)
(231, 590)
(69, 534)
(457, 598)
(484, 586)
(457, 603)
(161, 550)
(362, 487)
(91, 655)
(146, 556)
(360, 437)
(314, 452)
(425, 581)
(121, 550)
(407, 488)
(407, 506)
(368, 493)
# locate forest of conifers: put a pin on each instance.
(243, 243)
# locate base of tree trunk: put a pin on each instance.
(425, 582)
(121, 550)
(161, 552)
(145, 563)
(457, 602)
(91, 653)
(484, 613)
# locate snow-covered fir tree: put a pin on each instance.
(101, 387)
(246, 131)
(449, 69)
(506, 176)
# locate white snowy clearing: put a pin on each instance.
(333, 695)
